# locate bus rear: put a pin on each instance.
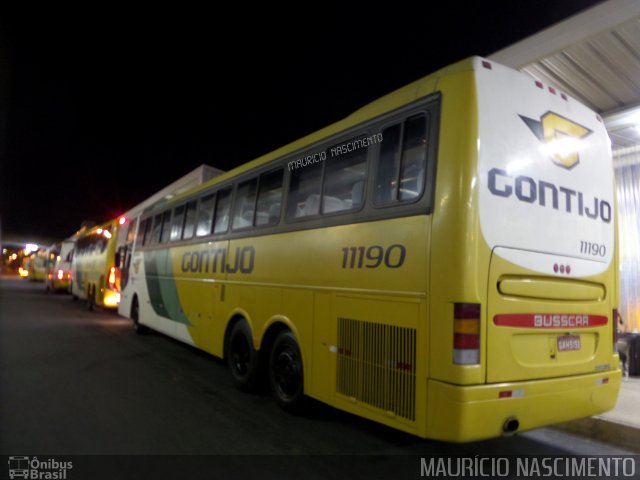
(94, 272)
(530, 310)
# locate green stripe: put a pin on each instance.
(162, 286)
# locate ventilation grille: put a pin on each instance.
(376, 365)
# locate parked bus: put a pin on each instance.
(58, 271)
(441, 261)
(95, 277)
(37, 266)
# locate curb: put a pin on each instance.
(607, 431)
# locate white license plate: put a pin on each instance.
(567, 343)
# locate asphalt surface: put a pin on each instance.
(74, 382)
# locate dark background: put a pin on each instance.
(101, 109)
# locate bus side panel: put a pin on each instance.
(457, 258)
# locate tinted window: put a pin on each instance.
(190, 220)
(388, 164)
(414, 158)
(141, 231)
(344, 180)
(401, 171)
(205, 215)
(146, 234)
(157, 229)
(131, 230)
(269, 198)
(245, 204)
(222, 211)
(304, 191)
(177, 222)
(166, 226)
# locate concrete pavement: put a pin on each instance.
(620, 426)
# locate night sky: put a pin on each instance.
(107, 107)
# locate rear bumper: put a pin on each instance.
(461, 414)
(59, 284)
(111, 299)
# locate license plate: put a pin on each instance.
(567, 343)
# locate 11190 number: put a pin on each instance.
(373, 256)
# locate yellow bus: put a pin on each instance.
(94, 274)
(441, 261)
(37, 266)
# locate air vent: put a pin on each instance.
(377, 365)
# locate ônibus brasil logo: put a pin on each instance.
(560, 137)
(33, 468)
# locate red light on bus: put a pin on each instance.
(112, 276)
(466, 333)
(122, 220)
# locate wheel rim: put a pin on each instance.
(286, 373)
(240, 356)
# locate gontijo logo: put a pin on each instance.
(561, 137)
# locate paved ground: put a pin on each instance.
(74, 382)
(620, 426)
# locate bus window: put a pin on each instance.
(387, 175)
(304, 191)
(403, 168)
(245, 204)
(205, 215)
(344, 181)
(146, 235)
(176, 223)
(166, 226)
(222, 211)
(269, 198)
(414, 158)
(157, 229)
(190, 220)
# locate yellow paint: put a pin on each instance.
(298, 280)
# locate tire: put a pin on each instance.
(242, 358)
(286, 375)
(135, 317)
(91, 303)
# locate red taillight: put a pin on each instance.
(60, 274)
(112, 278)
(122, 220)
(466, 333)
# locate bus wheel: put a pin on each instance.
(90, 299)
(135, 316)
(286, 374)
(242, 358)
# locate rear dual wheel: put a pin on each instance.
(91, 298)
(243, 358)
(286, 376)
